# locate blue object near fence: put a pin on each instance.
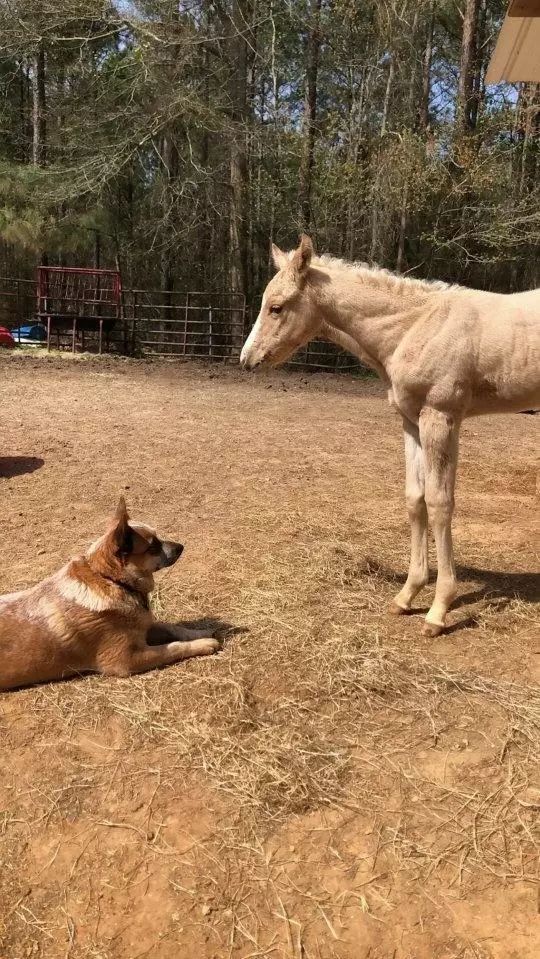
(35, 333)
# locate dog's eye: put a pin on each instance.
(154, 545)
(275, 310)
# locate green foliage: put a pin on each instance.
(140, 125)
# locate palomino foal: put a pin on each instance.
(444, 352)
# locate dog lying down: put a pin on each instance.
(94, 614)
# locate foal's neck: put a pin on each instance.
(368, 309)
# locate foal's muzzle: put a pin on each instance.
(248, 356)
(249, 364)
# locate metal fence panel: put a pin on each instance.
(177, 324)
(191, 323)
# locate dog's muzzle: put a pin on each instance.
(170, 553)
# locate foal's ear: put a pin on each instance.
(301, 257)
(280, 258)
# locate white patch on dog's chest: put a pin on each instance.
(81, 594)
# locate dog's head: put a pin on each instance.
(134, 550)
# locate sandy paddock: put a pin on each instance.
(333, 784)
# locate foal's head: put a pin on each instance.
(288, 319)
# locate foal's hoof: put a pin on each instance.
(396, 610)
(432, 630)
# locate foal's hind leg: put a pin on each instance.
(439, 436)
(416, 508)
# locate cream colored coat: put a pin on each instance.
(444, 352)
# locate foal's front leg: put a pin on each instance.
(439, 436)
(416, 508)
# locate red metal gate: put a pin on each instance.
(79, 300)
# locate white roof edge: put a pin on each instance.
(517, 54)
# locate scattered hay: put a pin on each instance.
(330, 774)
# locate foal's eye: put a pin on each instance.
(275, 310)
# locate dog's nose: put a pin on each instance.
(171, 552)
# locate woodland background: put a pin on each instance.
(178, 138)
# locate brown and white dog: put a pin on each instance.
(94, 614)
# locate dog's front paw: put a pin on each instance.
(205, 647)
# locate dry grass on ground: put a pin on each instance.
(332, 784)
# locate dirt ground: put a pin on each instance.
(332, 784)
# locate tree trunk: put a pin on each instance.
(39, 123)
(403, 222)
(39, 127)
(466, 113)
(251, 148)
(387, 92)
(530, 100)
(374, 248)
(413, 78)
(356, 116)
(239, 30)
(171, 165)
(273, 62)
(310, 114)
(426, 75)
(478, 66)
(169, 154)
(238, 55)
(23, 120)
(238, 225)
(204, 229)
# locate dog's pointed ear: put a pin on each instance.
(121, 513)
(120, 533)
(301, 257)
(281, 259)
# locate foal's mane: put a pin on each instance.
(380, 276)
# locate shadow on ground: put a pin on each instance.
(217, 627)
(498, 585)
(11, 466)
